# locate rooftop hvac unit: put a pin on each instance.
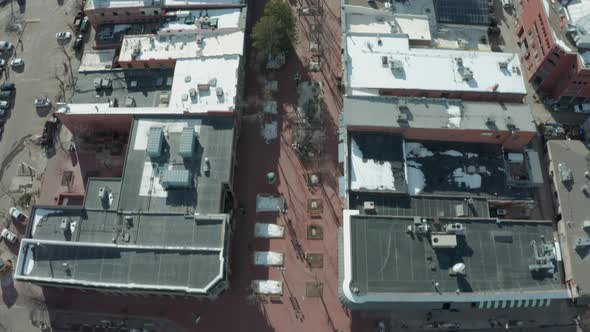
(192, 92)
(466, 73)
(510, 123)
(384, 61)
(565, 173)
(219, 91)
(458, 269)
(106, 83)
(582, 242)
(459, 61)
(103, 194)
(199, 40)
(130, 101)
(203, 87)
(65, 224)
(396, 65)
(443, 240)
(213, 82)
(155, 142)
(176, 179)
(402, 118)
(503, 64)
(187, 143)
(455, 228)
(165, 98)
(369, 206)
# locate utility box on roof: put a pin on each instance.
(176, 179)
(155, 142)
(187, 143)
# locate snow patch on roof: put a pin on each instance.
(369, 174)
(471, 181)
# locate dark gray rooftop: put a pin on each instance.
(440, 166)
(109, 265)
(214, 141)
(419, 206)
(145, 86)
(386, 259)
(141, 235)
(92, 201)
(448, 168)
(385, 112)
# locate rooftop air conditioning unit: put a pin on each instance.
(219, 91)
(459, 61)
(103, 193)
(65, 224)
(503, 64)
(402, 117)
(466, 74)
(455, 228)
(384, 61)
(443, 240)
(369, 206)
(396, 65)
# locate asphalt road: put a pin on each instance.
(41, 20)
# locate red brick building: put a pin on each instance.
(550, 57)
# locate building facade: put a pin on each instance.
(552, 57)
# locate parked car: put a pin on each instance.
(5, 94)
(4, 104)
(17, 215)
(41, 101)
(8, 235)
(78, 42)
(62, 36)
(582, 108)
(5, 46)
(17, 62)
(2, 62)
(84, 24)
(7, 86)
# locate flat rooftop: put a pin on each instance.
(428, 167)
(436, 114)
(202, 19)
(97, 60)
(215, 3)
(429, 206)
(95, 4)
(181, 46)
(151, 230)
(573, 205)
(387, 263)
(367, 20)
(370, 56)
(142, 189)
(145, 86)
(417, 20)
(205, 84)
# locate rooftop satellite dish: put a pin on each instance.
(458, 268)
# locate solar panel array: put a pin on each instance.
(475, 12)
